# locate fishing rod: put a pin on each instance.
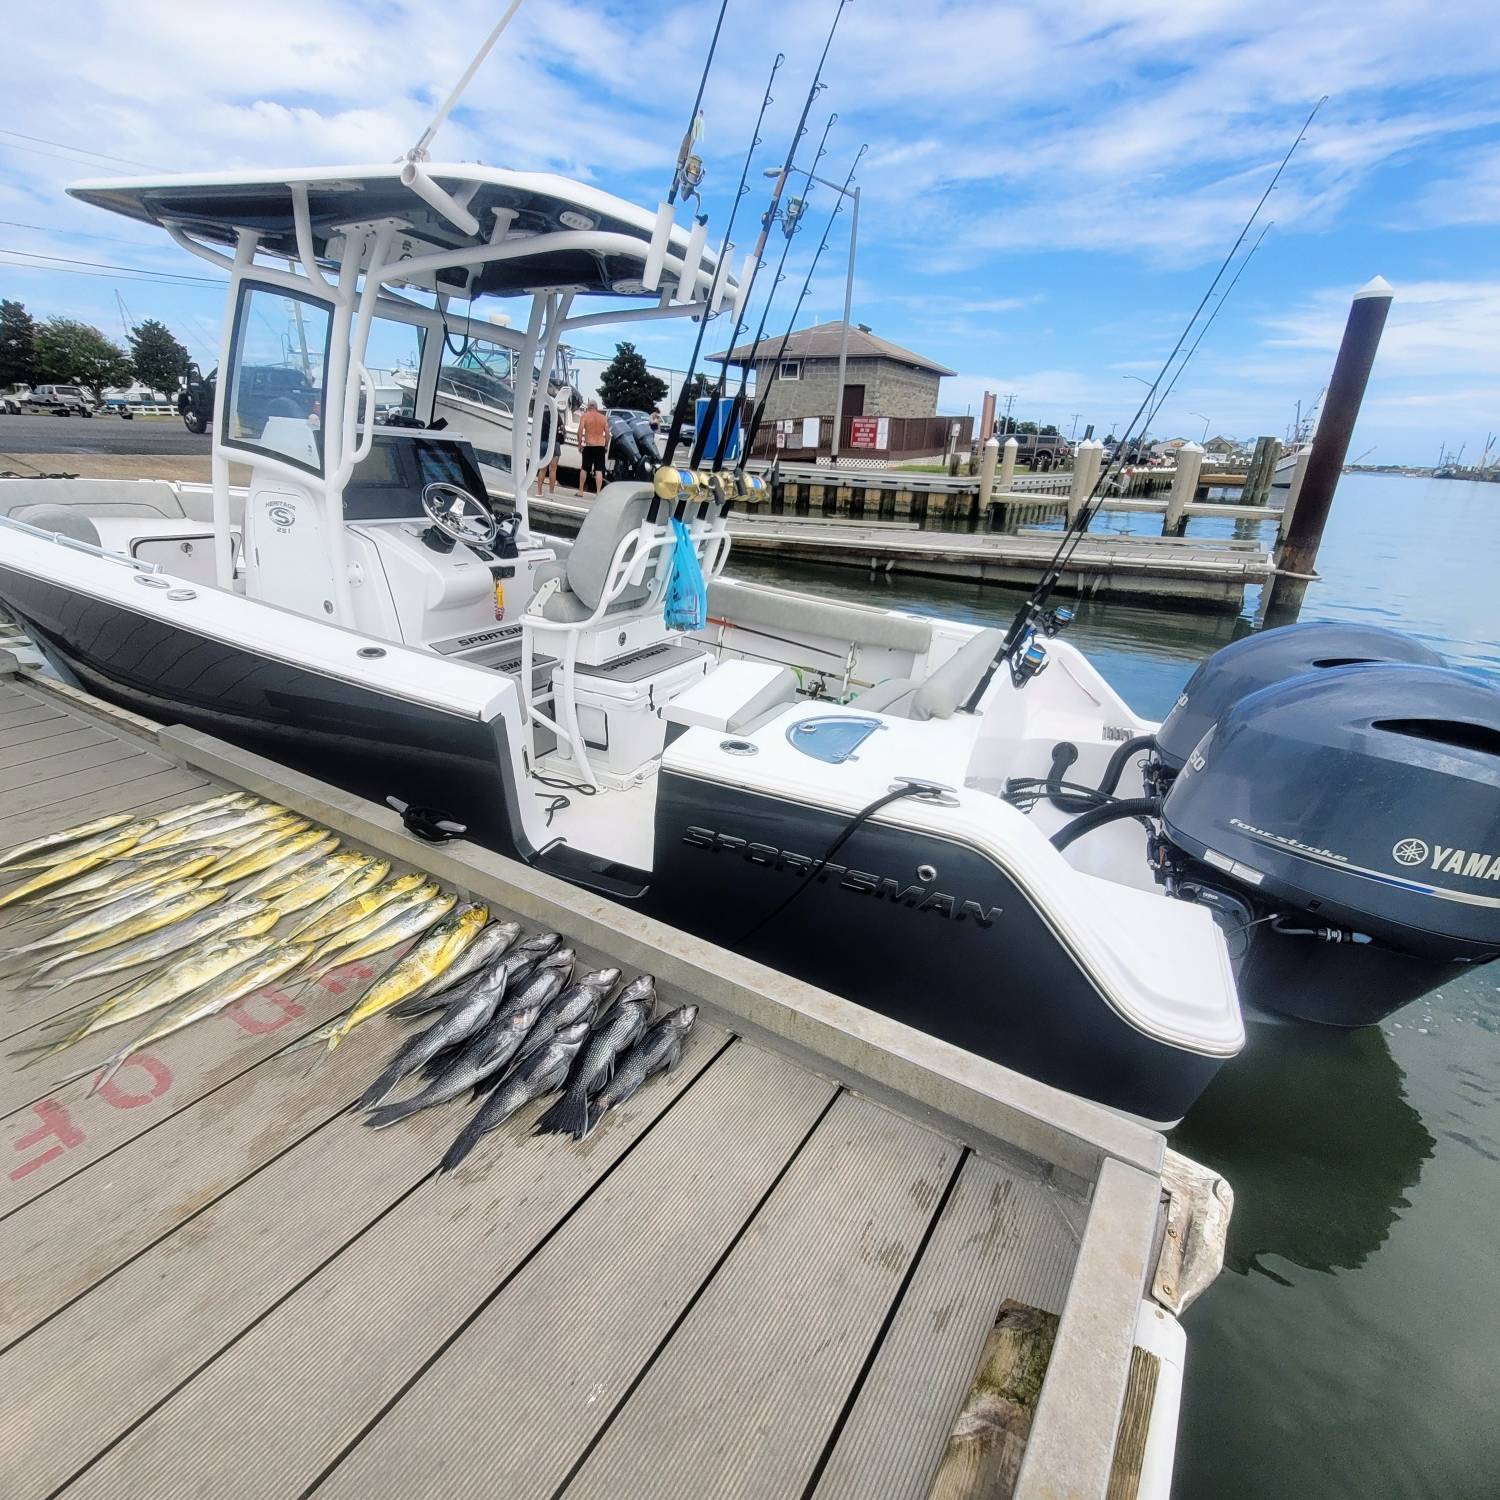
(790, 223)
(1208, 323)
(689, 172)
(765, 228)
(684, 396)
(763, 397)
(1032, 609)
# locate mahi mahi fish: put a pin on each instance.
(139, 828)
(67, 836)
(88, 934)
(393, 924)
(541, 1073)
(68, 869)
(364, 912)
(487, 947)
(190, 925)
(239, 982)
(171, 985)
(128, 877)
(427, 959)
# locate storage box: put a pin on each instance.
(620, 711)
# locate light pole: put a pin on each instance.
(1140, 442)
(1077, 415)
(845, 192)
(1205, 423)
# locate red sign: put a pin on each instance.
(864, 432)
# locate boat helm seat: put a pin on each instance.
(941, 693)
(617, 512)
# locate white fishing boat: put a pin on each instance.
(967, 829)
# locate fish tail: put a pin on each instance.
(388, 1114)
(381, 1087)
(569, 1116)
(113, 1066)
(468, 1138)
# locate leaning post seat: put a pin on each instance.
(601, 598)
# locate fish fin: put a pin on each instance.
(388, 1114)
(568, 1116)
(466, 1141)
(382, 1086)
(310, 1040)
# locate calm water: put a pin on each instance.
(1352, 1345)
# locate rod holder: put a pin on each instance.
(415, 177)
(656, 252)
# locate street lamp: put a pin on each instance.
(1205, 423)
(838, 411)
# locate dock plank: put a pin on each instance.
(45, 752)
(37, 730)
(104, 754)
(557, 1350)
(139, 779)
(199, 1092)
(799, 1302)
(276, 1408)
(129, 763)
(997, 1237)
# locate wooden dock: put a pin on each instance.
(771, 1274)
(1183, 571)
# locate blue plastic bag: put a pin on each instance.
(687, 598)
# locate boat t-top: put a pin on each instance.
(967, 829)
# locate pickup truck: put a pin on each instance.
(263, 391)
(60, 400)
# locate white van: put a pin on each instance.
(60, 400)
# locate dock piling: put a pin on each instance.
(1262, 470)
(1184, 487)
(1008, 464)
(989, 454)
(1299, 475)
(1297, 556)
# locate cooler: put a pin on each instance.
(621, 708)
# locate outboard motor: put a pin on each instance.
(1273, 656)
(632, 446)
(1344, 827)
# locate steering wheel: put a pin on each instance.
(440, 501)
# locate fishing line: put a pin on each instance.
(790, 227)
(679, 413)
(695, 121)
(1032, 608)
(701, 439)
(763, 397)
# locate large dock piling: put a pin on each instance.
(1184, 487)
(1297, 556)
(1262, 469)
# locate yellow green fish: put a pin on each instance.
(75, 851)
(262, 855)
(68, 869)
(66, 836)
(356, 908)
(428, 959)
(357, 933)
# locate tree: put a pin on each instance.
(74, 353)
(17, 345)
(1050, 431)
(160, 361)
(627, 382)
(1026, 427)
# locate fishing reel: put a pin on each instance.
(1055, 621)
(1029, 660)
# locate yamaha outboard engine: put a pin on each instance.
(1272, 656)
(1344, 827)
(632, 446)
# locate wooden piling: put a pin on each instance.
(1258, 477)
(1008, 464)
(1184, 488)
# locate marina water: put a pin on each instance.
(1352, 1347)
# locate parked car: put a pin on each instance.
(13, 402)
(60, 401)
(262, 392)
(118, 406)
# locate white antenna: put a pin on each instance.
(419, 151)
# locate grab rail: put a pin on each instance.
(94, 549)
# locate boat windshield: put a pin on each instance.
(278, 356)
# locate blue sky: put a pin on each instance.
(1046, 193)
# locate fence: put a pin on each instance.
(864, 442)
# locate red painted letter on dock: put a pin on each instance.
(258, 1025)
(161, 1081)
(55, 1122)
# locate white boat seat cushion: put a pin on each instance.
(122, 498)
(942, 693)
(65, 520)
(617, 511)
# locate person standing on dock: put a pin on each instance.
(593, 439)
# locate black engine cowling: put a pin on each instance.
(1273, 656)
(1354, 813)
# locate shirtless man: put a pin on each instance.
(593, 439)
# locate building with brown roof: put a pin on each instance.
(881, 379)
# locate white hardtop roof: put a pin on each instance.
(508, 205)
